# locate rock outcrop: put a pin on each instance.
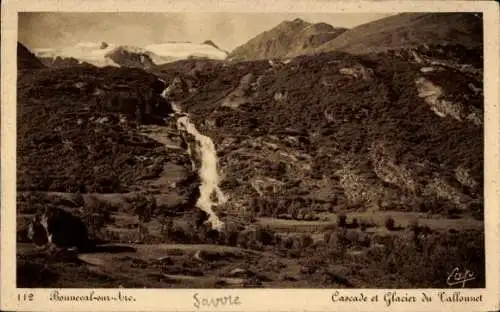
(60, 228)
(26, 59)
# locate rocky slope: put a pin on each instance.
(399, 130)
(289, 38)
(26, 59)
(134, 57)
(61, 62)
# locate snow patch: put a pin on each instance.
(89, 52)
(184, 50)
(97, 53)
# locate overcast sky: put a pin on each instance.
(228, 30)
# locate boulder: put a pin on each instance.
(58, 227)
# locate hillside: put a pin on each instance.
(292, 38)
(75, 122)
(349, 130)
(61, 62)
(336, 170)
(133, 57)
(289, 38)
(407, 30)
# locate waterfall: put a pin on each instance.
(207, 171)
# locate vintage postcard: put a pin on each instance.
(250, 156)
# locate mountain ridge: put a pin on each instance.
(409, 29)
(287, 39)
(297, 37)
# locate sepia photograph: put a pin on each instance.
(230, 150)
(167, 150)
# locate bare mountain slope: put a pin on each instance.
(293, 38)
(289, 38)
(408, 29)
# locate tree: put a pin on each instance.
(199, 218)
(327, 237)
(390, 224)
(306, 241)
(354, 223)
(342, 220)
(167, 227)
(292, 210)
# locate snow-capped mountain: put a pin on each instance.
(102, 54)
(89, 52)
(184, 50)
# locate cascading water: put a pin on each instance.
(207, 172)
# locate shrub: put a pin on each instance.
(181, 233)
(231, 237)
(264, 235)
(330, 207)
(364, 240)
(78, 199)
(242, 239)
(342, 220)
(212, 236)
(414, 226)
(341, 240)
(327, 236)
(96, 214)
(33, 202)
(453, 213)
(390, 224)
(250, 215)
(144, 207)
(292, 211)
(288, 243)
(408, 266)
(354, 223)
(166, 227)
(364, 224)
(477, 210)
(306, 241)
